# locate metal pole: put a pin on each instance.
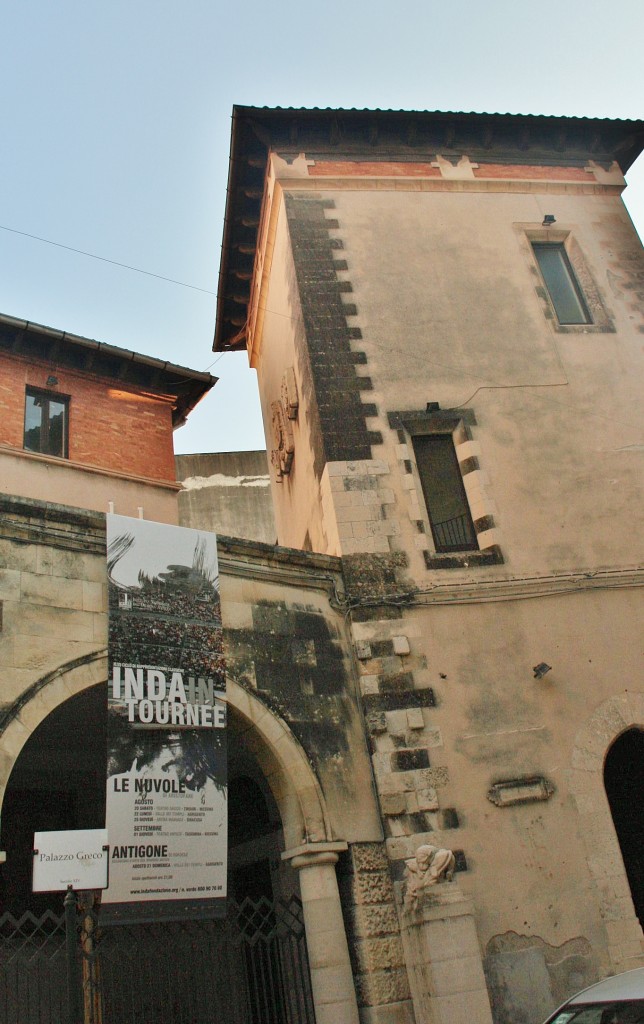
(73, 992)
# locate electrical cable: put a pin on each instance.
(104, 259)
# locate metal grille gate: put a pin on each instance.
(251, 968)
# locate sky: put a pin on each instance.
(115, 134)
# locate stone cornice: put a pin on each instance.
(513, 589)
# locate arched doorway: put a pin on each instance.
(252, 959)
(57, 782)
(624, 782)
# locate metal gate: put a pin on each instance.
(251, 968)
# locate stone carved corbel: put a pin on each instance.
(283, 413)
(429, 867)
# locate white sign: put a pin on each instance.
(79, 858)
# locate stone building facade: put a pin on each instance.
(445, 314)
(87, 428)
(441, 649)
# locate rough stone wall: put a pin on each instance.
(286, 645)
(53, 603)
(399, 706)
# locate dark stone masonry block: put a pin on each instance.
(409, 760)
(400, 701)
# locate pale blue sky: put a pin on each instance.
(115, 128)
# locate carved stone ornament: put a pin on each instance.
(283, 412)
(290, 401)
(282, 453)
(431, 866)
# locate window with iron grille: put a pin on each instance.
(447, 508)
(46, 423)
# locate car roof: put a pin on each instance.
(622, 986)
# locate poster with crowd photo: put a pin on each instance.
(166, 811)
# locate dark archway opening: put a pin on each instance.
(57, 782)
(257, 953)
(624, 782)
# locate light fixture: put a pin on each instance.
(51, 381)
(541, 669)
(548, 220)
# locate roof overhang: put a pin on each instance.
(383, 135)
(184, 388)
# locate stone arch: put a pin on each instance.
(285, 766)
(284, 763)
(586, 779)
(42, 697)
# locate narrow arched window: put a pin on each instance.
(624, 782)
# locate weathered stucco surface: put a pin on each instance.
(227, 493)
(447, 306)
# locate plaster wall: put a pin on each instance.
(228, 493)
(448, 307)
(297, 500)
(287, 645)
(493, 722)
(448, 303)
(45, 478)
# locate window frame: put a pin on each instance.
(410, 423)
(45, 439)
(568, 277)
(601, 320)
(441, 547)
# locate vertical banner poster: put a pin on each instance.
(166, 758)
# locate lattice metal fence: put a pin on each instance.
(33, 980)
(251, 968)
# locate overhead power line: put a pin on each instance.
(104, 259)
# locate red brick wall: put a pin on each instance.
(111, 425)
(531, 172)
(392, 169)
(376, 168)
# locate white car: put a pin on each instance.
(617, 1000)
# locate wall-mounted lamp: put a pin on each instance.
(541, 669)
(51, 381)
(548, 220)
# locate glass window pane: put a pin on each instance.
(33, 423)
(57, 428)
(45, 423)
(561, 284)
(631, 1012)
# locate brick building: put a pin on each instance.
(89, 424)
